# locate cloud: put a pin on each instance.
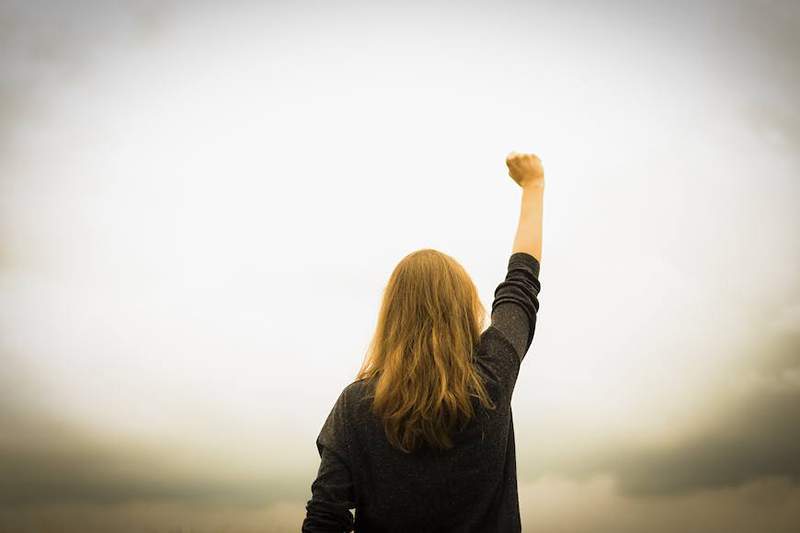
(48, 461)
(774, 26)
(760, 437)
(777, 124)
(762, 440)
(280, 517)
(556, 504)
(755, 436)
(46, 45)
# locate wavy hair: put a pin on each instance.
(419, 363)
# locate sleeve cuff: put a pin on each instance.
(524, 258)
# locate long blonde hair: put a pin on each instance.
(420, 360)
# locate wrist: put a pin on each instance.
(534, 186)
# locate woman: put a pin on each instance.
(423, 439)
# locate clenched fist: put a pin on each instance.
(525, 169)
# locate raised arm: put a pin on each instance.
(516, 303)
(527, 171)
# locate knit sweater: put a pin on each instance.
(469, 488)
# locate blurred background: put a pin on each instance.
(200, 203)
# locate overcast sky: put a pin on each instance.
(200, 204)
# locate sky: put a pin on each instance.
(201, 202)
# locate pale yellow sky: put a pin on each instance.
(200, 205)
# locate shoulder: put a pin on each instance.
(354, 390)
(493, 338)
(497, 360)
(355, 398)
(352, 406)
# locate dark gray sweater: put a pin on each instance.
(469, 488)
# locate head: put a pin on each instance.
(419, 363)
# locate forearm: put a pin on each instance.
(529, 231)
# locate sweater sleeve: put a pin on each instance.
(332, 492)
(516, 302)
